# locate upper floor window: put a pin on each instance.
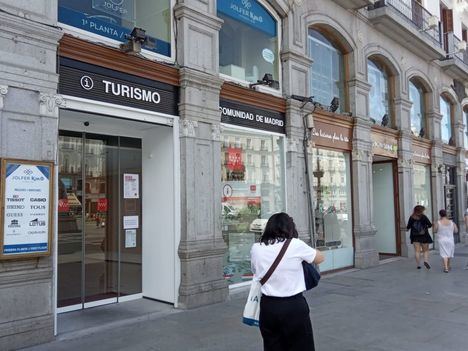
(446, 122)
(248, 41)
(416, 95)
(115, 19)
(379, 103)
(327, 77)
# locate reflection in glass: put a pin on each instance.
(333, 207)
(422, 187)
(416, 95)
(378, 95)
(327, 74)
(253, 189)
(446, 123)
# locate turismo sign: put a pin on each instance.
(97, 83)
(253, 117)
(26, 200)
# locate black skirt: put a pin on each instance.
(423, 239)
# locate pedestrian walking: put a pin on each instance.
(445, 228)
(284, 313)
(419, 224)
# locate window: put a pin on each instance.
(327, 77)
(379, 106)
(115, 19)
(248, 40)
(446, 122)
(422, 187)
(251, 194)
(465, 129)
(416, 95)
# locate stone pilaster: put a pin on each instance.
(461, 199)
(437, 175)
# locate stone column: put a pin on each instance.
(28, 130)
(201, 248)
(458, 130)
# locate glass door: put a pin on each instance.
(99, 251)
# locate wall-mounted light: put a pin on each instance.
(268, 81)
(135, 40)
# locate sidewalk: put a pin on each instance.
(390, 307)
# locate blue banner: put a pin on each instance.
(101, 25)
(249, 12)
(25, 248)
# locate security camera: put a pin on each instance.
(86, 124)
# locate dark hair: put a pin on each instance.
(279, 227)
(443, 213)
(418, 211)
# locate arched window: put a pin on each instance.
(446, 122)
(418, 120)
(379, 103)
(248, 41)
(327, 76)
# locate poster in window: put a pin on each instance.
(131, 186)
(26, 208)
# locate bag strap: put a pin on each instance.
(275, 262)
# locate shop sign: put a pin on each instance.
(421, 154)
(252, 117)
(234, 159)
(384, 145)
(96, 83)
(329, 135)
(26, 199)
(249, 12)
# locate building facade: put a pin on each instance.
(176, 154)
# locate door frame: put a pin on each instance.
(132, 114)
(396, 205)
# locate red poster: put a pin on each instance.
(234, 159)
(102, 205)
(63, 205)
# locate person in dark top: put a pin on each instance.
(419, 224)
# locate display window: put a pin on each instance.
(115, 19)
(379, 103)
(327, 77)
(422, 187)
(248, 41)
(331, 173)
(446, 122)
(252, 173)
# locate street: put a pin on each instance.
(390, 307)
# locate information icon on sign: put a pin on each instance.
(227, 190)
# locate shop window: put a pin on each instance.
(251, 194)
(115, 19)
(327, 76)
(422, 187)
(333, 208)
(416, 95)
(248, 41)
(465, 129)
(446, 122)
(379, 102)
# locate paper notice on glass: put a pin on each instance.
(130, 222)
(130, 238)
(131, 186)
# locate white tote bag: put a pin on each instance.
(252, 307)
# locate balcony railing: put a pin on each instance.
(452, 48)
(415, 14)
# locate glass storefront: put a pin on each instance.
(115, 19)
(252, 173)
(422, 187)
(331, 173)
(248, 41)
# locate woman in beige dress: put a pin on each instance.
(445, 229)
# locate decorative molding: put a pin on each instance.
(405, 163)
(49, 104)
(362, 155)
(3, 92)
(189, 128)
(292, 145)
(216, 132)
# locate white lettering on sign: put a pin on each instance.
(423, 155)
(327, 135)
(385, 146)
(231, 112)
(130, 92)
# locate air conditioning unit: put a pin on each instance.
(432, 22)
(461, 46)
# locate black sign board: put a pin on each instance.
(252, 117)
(97, 83)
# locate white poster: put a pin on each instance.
(130, 238)
(26, 203)
(131, 186)
(130, 222)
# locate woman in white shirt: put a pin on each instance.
(284, 313)
(445, 229)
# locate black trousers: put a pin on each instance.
(285, 324)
